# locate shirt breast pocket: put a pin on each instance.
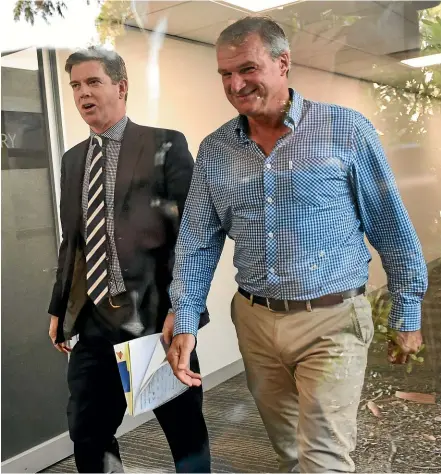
(319, 182)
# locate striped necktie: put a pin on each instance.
(96, 245)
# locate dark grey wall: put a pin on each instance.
(33, 373)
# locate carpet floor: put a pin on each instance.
(239, 442)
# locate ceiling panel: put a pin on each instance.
(364, 39)
(307, 45)
(191, 16)
(384, 35)
(380, 36)
(210, 34)
(310, 12)
(143, 7)
(409, 9)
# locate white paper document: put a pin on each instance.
(147, 377)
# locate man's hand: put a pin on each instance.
(179, 358)
(53, 326)
(167, 329)
(404, 344)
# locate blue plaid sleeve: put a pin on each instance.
(388, 228)
(198, 249)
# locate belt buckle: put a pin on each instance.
(285, 303)
(111, 304)
(269, 306)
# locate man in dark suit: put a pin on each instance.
(122, 192)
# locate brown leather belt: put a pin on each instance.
(280, 306)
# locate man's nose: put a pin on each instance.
(84, 91)
(237, 83)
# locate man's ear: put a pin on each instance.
(285, 63)
(123, 86)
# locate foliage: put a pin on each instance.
(407, 106)
(110, 22)
(381, 305)
(431, 30)
(339, 20)
(405, 114)
(33, 8)
(410, 109)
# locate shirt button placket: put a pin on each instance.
(270, 189)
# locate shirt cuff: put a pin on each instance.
(186, 322)
(405, 318)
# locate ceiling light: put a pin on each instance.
(423, 61)
(259, 5)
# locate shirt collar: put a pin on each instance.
(292, 118)
(115, 132)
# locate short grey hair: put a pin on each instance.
(113, 63)
(271, 34)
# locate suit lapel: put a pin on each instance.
(136, 143)
(75, 184)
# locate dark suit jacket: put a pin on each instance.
(142, 236)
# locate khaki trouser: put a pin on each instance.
(305, 371)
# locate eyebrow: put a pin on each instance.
(242, 66)
(93, 78)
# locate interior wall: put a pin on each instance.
(191, 99)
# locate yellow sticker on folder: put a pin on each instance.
(146, 376)
(122, 352)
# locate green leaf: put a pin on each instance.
(382, 329)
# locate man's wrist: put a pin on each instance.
(186, 320)
(177, 331)
(184, 324)
(405, 319)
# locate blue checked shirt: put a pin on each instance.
(298, 216)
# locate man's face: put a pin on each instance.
(99, 101)
(253, 81)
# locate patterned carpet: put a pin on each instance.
(237, 437)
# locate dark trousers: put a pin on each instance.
(97, 405)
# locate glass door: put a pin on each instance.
(34, 392)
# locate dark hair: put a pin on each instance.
(271, 34)
(112, 62)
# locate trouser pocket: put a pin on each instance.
(361, 315)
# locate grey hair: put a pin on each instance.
(271, 34)
(113, 63)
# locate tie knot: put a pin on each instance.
(97, 140)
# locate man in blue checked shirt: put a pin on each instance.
(297, 185)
